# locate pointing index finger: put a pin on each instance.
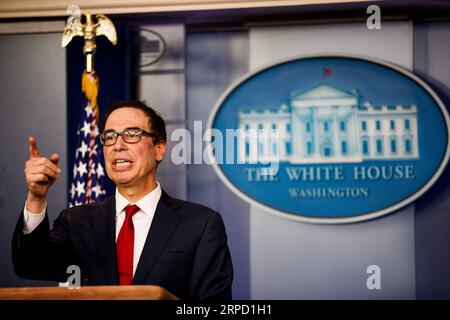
(34, 150)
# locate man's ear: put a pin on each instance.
(160, 149)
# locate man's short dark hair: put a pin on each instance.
(156, 122)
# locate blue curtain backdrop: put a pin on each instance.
(112, 64)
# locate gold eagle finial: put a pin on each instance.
(95, 25)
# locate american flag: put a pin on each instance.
(88, 173)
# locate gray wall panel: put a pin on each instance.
(431, 62)
(32, 102)
(214, 61)
(300, 260)
(163, 85)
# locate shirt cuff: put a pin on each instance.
(32, 220)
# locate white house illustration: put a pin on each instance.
(328, 125)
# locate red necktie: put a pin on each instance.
(125, 246)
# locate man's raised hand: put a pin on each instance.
(40, 174)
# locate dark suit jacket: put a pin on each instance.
(186, 250)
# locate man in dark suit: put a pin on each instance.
(138, 236)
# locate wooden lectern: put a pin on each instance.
(87, 293)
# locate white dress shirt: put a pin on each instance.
(142, 220)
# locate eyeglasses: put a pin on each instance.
(129, 135)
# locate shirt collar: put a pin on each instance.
(147, 204)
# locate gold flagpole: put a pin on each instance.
(95, 25)
(89, 30)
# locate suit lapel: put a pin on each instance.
(163, 224)
(104, 228)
